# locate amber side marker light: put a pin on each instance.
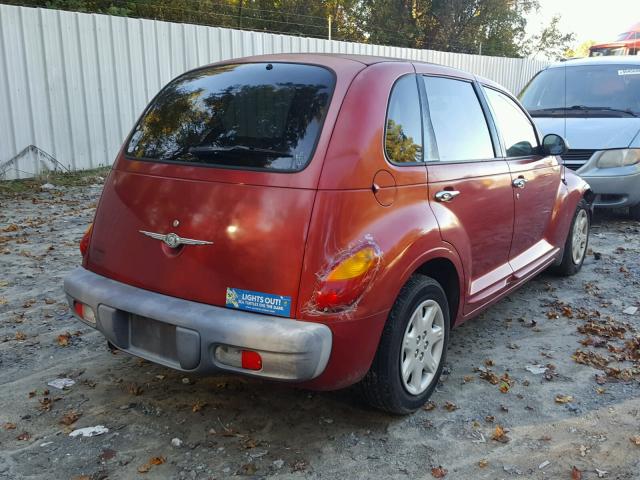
(343, 286)
(84, 242)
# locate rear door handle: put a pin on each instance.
(446, 195)
(520, 182)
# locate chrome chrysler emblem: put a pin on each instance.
(172, 240)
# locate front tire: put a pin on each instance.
(412, 350)
(575, 246)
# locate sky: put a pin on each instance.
(600, 20)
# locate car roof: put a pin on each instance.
(323, 59)
(602, 60)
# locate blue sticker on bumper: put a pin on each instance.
(259, 302)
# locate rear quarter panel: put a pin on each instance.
(346, 211)
(569, 194)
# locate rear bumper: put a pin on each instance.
(184, 335)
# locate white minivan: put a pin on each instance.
(594, 103)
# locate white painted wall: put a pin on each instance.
(73, 84)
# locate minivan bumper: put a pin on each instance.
(184, 335)
(614, 187)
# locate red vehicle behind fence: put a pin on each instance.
(323, 220)
(627, 43)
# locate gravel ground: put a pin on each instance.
(576, 417)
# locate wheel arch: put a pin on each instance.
(443, 265)
(443, 271)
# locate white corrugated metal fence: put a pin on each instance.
(73, 84)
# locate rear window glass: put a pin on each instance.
(264, 116)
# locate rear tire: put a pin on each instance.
(634, 212)
(575, 246)
(412, 350)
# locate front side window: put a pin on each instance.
(458, 121)
(265, 116)
(517, 131)
(403, 132)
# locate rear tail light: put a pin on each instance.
(84, 242)
(84, 311)
(236, 357)
(347, 280)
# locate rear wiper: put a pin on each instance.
(238, 149)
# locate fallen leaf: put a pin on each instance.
(587, 357)
(198, 406)
(299, 466)
(439, 472)
(489, 376)
(64, 339)
(635, 440)
(489, 363)
(576, 474)
(45, 404)
(608, 329)
(157, 460)
(429, 406)
(249, 469)
(500, 435)
(107, 454)
(70, 417)
(24, 436)
(564, 399)
(251, 443)
(467, 378)
(9, 426)
(135, 389)
(21, 336)
(483, 463)
(450, 406)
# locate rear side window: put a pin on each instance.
(265, 116)
(403, 134)
(517, 131)
(458, 121)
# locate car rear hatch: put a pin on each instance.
(211, 196)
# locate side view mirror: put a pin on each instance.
(553, 144)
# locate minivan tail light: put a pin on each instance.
(84, 242)
(346, 281)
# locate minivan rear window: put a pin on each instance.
(264, 116)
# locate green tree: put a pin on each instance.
(490, 27)
(550, 42)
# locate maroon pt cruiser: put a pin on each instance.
(324, 220)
